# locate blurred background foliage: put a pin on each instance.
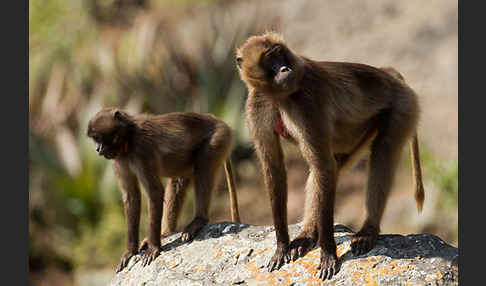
(163, 56)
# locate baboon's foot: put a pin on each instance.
(364, 240)
(191, 230)
(302, 244)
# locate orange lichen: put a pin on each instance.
(284, 276)
(218, 254)
(200, 268)
(218, 251)
(259, 251)
(369, 272)
(316, 253)
(252, 267)
(368, 264)
(370, 280)
(439, 275)
(429, 278)
(341, 250)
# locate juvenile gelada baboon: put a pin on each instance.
(334, 112)
(188, 148)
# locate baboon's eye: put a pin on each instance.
(239, 60)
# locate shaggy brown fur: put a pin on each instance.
(334, 112)
(189, 148)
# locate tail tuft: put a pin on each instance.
(418, 186)
(419, 197)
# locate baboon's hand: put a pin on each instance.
(150, 254)
(328, 266)
(143, 245)
(300, 246)
(125, 259)
(280, 257)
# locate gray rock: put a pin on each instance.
(235, 254)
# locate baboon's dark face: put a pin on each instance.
(266, 64)
(108, 132)
(277, 66)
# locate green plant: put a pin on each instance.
(445, 175)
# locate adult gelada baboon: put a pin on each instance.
(334, 112)
(188, 148)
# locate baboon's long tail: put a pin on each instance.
(235, 214)
(418, 186)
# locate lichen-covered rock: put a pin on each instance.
(235, 254)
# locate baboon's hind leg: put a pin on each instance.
(175, 195)
(394, 131)
(209, 161)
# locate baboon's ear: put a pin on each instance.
(121, 117)
(239, 60)
(117, 115)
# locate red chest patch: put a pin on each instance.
(280, 128)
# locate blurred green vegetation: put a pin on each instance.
(444, 174)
